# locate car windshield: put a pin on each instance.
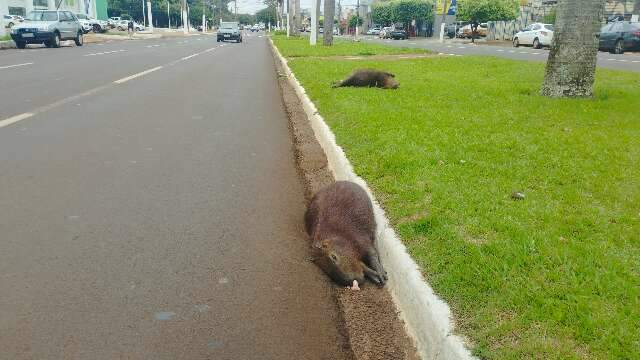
(42, 16)
(549, 26)
(231, 26)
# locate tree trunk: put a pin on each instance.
(571, 65)
(329, 15)
(298, 15)
(292, 20)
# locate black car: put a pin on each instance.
(398, 35)
(620, 36)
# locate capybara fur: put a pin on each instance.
(370, 78)
(342, 228)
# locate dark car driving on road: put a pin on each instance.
(398, 34)
(229, 31)
(620, 36)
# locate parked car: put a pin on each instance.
(113, 21)
(398, 34)
(11, 20)
(374, 31)
(620, 36)
(49, 27)
(536, 35)
(385, 32)
(452, 29)
(465, 31)
(229, 31)
(123, 25)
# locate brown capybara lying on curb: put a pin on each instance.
(370, 78)
(342, 228)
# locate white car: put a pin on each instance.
(536, 35)
(91, 24)
(123, 25)
(10, 20)
(374, 31)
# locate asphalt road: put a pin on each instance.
(627, 61)
(151, 207)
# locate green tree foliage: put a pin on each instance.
(550, 18)
(267, 15)
(402, 11)
(246, 19)
(353, 19)
(487, 10)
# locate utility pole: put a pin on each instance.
(149, 16)
(184, 17)
(168, 16)
(315, 11)
(357, 17)
(236, 6)
(144, 19)
(204, 24)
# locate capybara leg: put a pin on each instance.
(373, 275)
(373, 260)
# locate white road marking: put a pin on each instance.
(413, 43)
(535, 53)
(105, 53)
(623, 60)
(451, 54)
(461, 47)
(512, 51)
(458, 55)
(635, 61)
(190, 56)
(500, 50)
(611, 59)
(16, 65)
(123, 80)
(14, 119)
(523, 52)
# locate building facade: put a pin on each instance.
(93, 8)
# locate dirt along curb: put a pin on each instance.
(376, 319)
(371, 322)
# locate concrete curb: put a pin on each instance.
(8, 44)
(426, 316)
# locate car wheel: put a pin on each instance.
(536, 43)
(79, 40)
(96, 28)
(55, 41)
(21, 44)
(619, 48)
(516, 42)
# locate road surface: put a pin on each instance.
(151, 207)
(627, 61)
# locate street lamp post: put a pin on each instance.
(204, 24)
(149, 16)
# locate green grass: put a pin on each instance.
(553, 276)
(5, 37)
(300, 47)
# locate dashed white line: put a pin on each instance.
(14, 119)
(16, 65)
(610, 59)
(512, 51)
(105, 53)
(535, 53)
(635, 61)
(523, 52)
(461, 47)
(500, 50)
(190, 56)
(123, 80)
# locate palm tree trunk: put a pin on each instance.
(571, 65)
(329, 15)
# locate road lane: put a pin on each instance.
(629, 61)
(60, 73)
(161, 218)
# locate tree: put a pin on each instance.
(329, 15)
(267, 15)
(353, 19)
(571, 65)
(381, 13)
(487, 10)
(405, 11)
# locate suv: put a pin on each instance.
(49, 27)
(91, 24)
(229, 31)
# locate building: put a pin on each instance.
(93, 8)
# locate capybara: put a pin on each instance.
(370, 78)
(342, 228)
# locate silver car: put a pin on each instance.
(48, 27)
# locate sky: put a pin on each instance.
(251, 6)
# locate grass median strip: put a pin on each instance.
(299, 47)
(553, 275)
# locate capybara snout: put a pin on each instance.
(342, 227)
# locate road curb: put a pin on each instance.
(427, 318)
(8, 44)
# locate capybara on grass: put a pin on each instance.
(341, 225)
(370, 78)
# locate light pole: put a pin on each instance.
(184, 17)
(149, 16)
(204, 24)
(168, 16)
(315, 10)
(144, 19)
